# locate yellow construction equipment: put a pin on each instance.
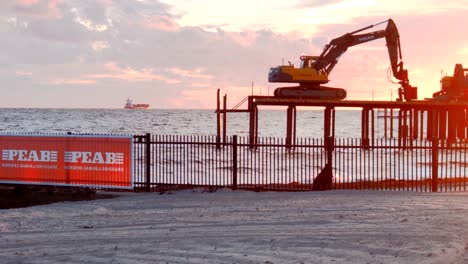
(313, 71)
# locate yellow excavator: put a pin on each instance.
(313, 71)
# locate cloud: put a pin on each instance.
(316, 3)
(162, 22)
(88, 23)
(197, 73)
(23, 73)
(245, 38)
(46, 9)
(72, 82)
(132, 75)
(99, 45)
(67, 30)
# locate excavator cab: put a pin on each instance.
(307, 61)
(305, 73)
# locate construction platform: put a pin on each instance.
(441, 120)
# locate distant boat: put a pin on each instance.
(130, 105)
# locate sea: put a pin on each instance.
(272, 123)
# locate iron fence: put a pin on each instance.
(167, 161)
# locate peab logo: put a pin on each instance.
(84, 157)
(29, 155)
(94, 157)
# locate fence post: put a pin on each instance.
(148, 161)
(234, 162)
(435, 164)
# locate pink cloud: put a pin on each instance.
(72, 81)
(42, 9)
(105, 2)
(164, 23)
(245, 39)
(196, 73)
(27, 2)
(199, 85)
(132, 75)
(23, 73)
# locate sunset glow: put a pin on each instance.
(176, 54)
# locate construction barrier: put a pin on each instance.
(67, 160)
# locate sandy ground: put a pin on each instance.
(241, 227)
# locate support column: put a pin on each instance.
(365, 128)
(324, 180)
(443, 124)
(452, 121)
(435, 123)
(290, 126)
(408, 127)
(385, 123)
(411, 123)
(400, 124)
(421, 130)
(225, 119)
(294, 119)
(253, 122)
(466, 123)
(460, 123)
(416, 124)
(333, 122)
(405, 126)
(327, 123)
(218, 120)
(430, 126)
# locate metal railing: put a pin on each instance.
(167, 162)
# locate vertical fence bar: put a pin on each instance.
(435, 164)
(421, 125)
(391, 123)
(148, 161)
(224, 118)
(465, 148)
(416, 124)
(385, 123)
(373, 126)
(234, 162)
(153, 159)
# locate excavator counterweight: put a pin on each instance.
(314, 70)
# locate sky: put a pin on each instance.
(177, 53)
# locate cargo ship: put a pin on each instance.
(130, 105)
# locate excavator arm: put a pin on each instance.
(314, 73)
(406, 91)
(338, 46)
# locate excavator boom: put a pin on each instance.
(314, 70)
